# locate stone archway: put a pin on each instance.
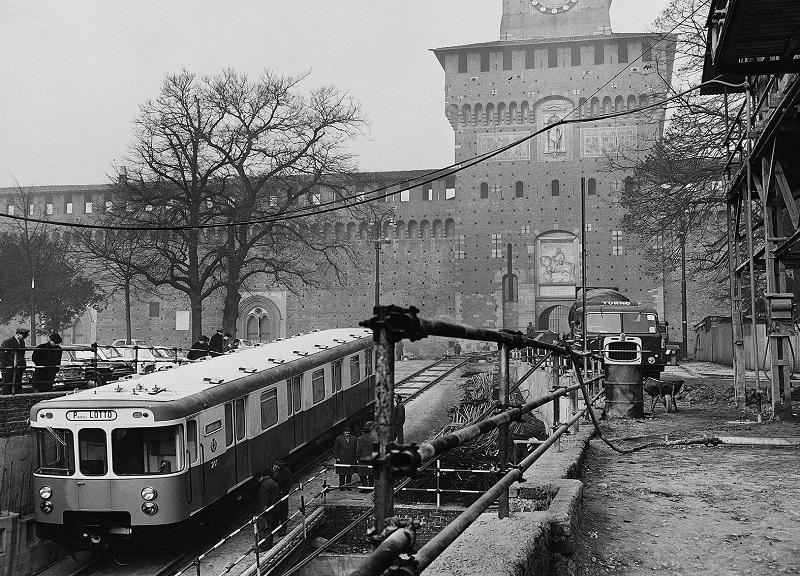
(259, 320)
(554, 319)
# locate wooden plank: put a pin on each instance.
(786, 191)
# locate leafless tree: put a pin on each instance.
(233, 173)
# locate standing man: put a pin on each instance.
(530, 330)
(199, 349)
(12, 361)
(217, 343)
(283, 478)
(47, 358)
(364, 449)
(398, 418)
(268, 494)
(344, 451)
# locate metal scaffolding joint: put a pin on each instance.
(398, 323)
(405, 459)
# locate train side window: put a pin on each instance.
(336, 372)
(191, 440)
(294, 398)
(93, 452)
(228, 424)
(213, 427)
(355, 370)
(269, 408)
(318, 386)
(150, 451)
(368, 362)
(240, 412)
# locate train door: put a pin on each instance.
(339, 408)
(236, 446)
(194, 478)
(211, 456)
(294, 405)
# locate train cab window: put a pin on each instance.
(213, 427)
(318, 386)
(368, 362)
(93, 452)
(238, 407)
(336, 372)
(269, 408)
(355, 370)
(139, 451)
(294, 398)
(55, 451)
(228, 424)
(191, 440)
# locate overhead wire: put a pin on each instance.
(430, 177)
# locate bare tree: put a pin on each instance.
(231, 174)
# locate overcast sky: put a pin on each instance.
(73, 72)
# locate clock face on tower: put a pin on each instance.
(552, 6)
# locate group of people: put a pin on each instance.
(217, 345)
(354, 454)
(46, 357)
(273, 490)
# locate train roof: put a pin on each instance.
(185, 390)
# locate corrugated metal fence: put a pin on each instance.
(716, 345)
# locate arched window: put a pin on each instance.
(490, 113)
(257, 326)
(619, 104)
(412, 229)
(351, 231)
(501, 113)
(512, 112)
(595, 106)
(437, 228)
(400, 229)
(591, 187)
(449, 228)
(582, 108)
(607, 105)
(484, 189)
(510, 291)
(363, 231)
(478, 114)
(465, 113)
(424, 229)
(520, 189)
(555, 188)
(631, 102)
(339, 231)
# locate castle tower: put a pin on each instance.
(555, 60)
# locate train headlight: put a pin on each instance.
(45, 492)
(149, 494)
(149, 508)
(46, 506)
(651, 360)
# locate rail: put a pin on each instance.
(396, 536)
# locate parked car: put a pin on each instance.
(145, 359)
(83, 367)
(124, 342)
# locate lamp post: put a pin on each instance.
(379, 241)
(684, 323)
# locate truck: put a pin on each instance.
(624, 332)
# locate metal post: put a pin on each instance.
(377, 271)
(684, 314)
(583, 261)
(438, 483)
(502, 436)
(255, 531)
(136, 358)
(384, 404)
(556, 401)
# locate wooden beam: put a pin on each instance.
(788, 196)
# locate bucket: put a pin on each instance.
(624, 391)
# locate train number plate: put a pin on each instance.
(91, 415)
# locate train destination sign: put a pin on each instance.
(96, 415)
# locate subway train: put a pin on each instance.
(139, 460)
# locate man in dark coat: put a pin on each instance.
(268, 494)
(199, 349)
(12, 361)
(398, 419)
(283, 478)
(364, 448)
(344, 451)
(47, 358)
(217, 343)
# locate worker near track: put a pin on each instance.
(268, 494)
(398, 419)
(344, 451)
(283, 478)
(364, 449)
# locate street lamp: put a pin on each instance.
(379, 241)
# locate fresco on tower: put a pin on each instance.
(556, 143)
(556, 254)
(597, 141)
(491, 141)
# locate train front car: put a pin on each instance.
(110, 471)
(138, 462)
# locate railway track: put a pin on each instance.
(415, 384)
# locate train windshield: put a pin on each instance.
(627, 322)
(140, 451)
(55, 451)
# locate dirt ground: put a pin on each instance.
(694, 509)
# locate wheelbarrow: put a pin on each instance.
(664, 390)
